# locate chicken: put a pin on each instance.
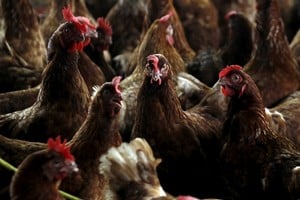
(237, 50)
(258, 162)
(200, 23)
(40, 174)
(131, 172)
(188, 142)
(153, 41)
(22, 50)
(126, 32)
(97, 134)
(273, 61)
(62, 102)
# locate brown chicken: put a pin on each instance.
(98, 133)
(131, 172)
(199, 19)
(188, 142)
(126, 32)
(272, 61)
(22, 50)
(40, 174)
(258, 163)
(62, 102)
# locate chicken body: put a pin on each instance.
(188, 142)
(258, 162)
(22, 50)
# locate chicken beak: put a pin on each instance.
(156, 77)
(91, 33)
(70, 167)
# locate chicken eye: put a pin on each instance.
(66, 30)
(236, 78)
(106, 92)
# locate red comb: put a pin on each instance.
(59, 147)
(104, 25)
(166, 17)
(154, 60)
(227, 69)
(82, 23)
(116, 82)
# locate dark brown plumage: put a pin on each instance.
(98, 46)
(127, 33)
(62, 102)
(199, 19)
(97, 134)
(239, 44)
(159, 8)
(40, 174)
(22, 50)
(155, 40)
(285, 117)
(188, 142)
(258, 162)
(272, 67)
